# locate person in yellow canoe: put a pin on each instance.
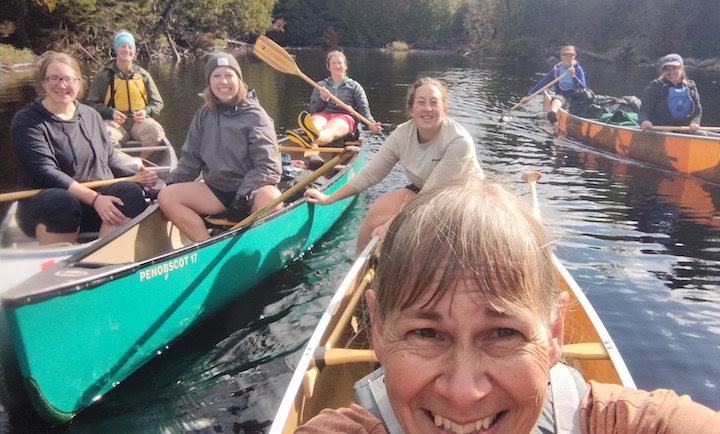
(432, 148)
(60, 143)
(467, 321)
(568, 88)
(671, 99)
(329, 121)
(126, 96)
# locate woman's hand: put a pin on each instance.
(119, 117)
(107, 209)
(139, 115)
(325, 94)
(315, 196)
(571, 71)
(646, 125)
(147, 178)
(376, 127)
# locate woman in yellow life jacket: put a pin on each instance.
(126, 96)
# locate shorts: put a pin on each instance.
(349, 120)
(61, 212)
(225, 197)
(228, 197)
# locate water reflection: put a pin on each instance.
(643, 243)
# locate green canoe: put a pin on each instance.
(84, 325)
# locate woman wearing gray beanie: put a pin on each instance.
(232, 144)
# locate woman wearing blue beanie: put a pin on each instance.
(126, 96)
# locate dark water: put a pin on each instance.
(643, 243)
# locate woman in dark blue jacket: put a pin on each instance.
(671, 99)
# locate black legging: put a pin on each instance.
(61, 212)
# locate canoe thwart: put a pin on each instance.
(340, 356)
(585, 351)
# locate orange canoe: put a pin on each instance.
(684, 153)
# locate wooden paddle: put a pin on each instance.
(350, 150)
(24, 194)
(685, 128)
(531, 178)
(301, 149)
(505, 116)
(276, 56)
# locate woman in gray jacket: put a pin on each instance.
(232, 144)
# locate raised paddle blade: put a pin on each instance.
(275, 56)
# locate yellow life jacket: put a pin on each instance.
(126, 95)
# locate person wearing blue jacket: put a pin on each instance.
(568, 88)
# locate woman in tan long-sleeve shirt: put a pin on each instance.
(432, 148)
(467, 321)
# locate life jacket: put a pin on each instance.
(126, 94)
(679, 102)
(565, 83)
(560, 413)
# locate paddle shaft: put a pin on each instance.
(301, 149)
(286, 194)
(547, 86)
(276, 56)
(24, 194)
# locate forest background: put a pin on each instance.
(618, 30)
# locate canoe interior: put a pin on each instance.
(22, 257)
(588, 348)
(161, 160)
(152, 237)
(684, 153)
(123, 300)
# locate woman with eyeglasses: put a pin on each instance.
(60, 143)
(568, 88)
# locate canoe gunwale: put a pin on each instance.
(308, 355)
(22, 295)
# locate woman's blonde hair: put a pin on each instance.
(46, 59)
(467, 231)
(213, 102)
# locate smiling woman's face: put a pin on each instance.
(461, 366)
(224, 84)
(673, 74)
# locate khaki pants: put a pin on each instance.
(148, 132)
